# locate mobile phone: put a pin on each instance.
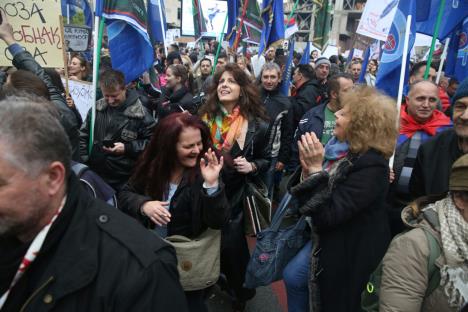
(108, 143)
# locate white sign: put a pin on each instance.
(214, 13)
(329, 51)
(77, 38)
(377, 18)
(82, 94)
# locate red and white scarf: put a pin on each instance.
(32, 253)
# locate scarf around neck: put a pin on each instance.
(334, 151)
(225, 128)
(409, 126)
(454, 236)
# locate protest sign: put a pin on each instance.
(377, 18)
(36, 27)
(82, 94)
(77, 38)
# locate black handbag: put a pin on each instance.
(257, 206)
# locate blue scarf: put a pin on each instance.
(334, 151)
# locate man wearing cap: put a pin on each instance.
(435, 157)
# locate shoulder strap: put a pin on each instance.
(432, 270)
(79, 169)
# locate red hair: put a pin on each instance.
(154, 168)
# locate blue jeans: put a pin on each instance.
(296, 279)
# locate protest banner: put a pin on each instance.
(82, 94)
(377, 18)
(78, 38)
(36, 27)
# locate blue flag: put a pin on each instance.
(129, 44)
(350, 58)
(273, 23)
(306, 54)
(233, 12)
(454, 13)
(72, 8)
(365, 61)
(457, 55)
(157, 27)
(388, 75)
(286, 83)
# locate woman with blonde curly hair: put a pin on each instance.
(342, 187)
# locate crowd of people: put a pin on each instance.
(384, 190)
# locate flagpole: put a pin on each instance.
(434, 38)
(442, 60)
(68, 13)
(402, 75)
(98, 31)
(221, 37)
(162, 26)
(239, 30)
(292, 12)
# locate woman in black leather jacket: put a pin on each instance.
(176, 188)
(237, 121)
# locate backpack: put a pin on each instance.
(370, 296)
(94, 184)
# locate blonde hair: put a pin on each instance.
(373, 121)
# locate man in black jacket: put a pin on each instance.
(61, 249)
(122, 129)
(277, 107)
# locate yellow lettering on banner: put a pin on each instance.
(36, 27)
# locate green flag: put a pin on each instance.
(322, 22)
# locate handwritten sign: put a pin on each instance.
(77, 38)
(36, 27)
(377, 18)
(82, 94)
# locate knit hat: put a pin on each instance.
(322, 60)
(462, 90)
(459, 175)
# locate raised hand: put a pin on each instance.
(211, 167)
(311, 153)
(6, 30)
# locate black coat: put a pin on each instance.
(101, 260)
(350, 228)
(278, 109)
(431, 171)
(307, 96)
(175, 102)
(24, 60)
(192, 210)
(256, 150)
(131, 124)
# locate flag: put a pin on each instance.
(233, 12)
(273, 25)
(198, 19)
(365, 61)
(454, 12)
(129, 44)
(157, 27)
(286, 83)
(350, 58)
(388, 75)
(291, 28)
(322, 23)
(306, 54)
(457, 54)
(252, 28)
(73, 5)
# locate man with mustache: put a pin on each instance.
(435, 157)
